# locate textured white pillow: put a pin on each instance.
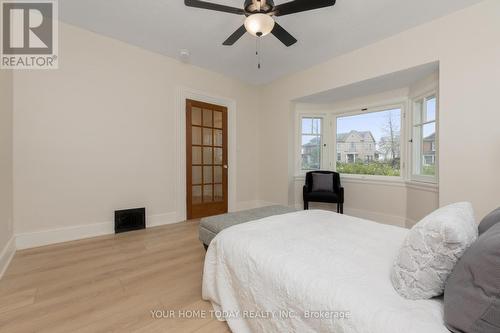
(431, 250)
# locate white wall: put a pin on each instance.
(467, 48)
(6, 219)
(100, 134)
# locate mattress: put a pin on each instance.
(312, 271)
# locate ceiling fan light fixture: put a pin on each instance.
(259, 25)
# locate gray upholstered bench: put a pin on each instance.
(211, 226)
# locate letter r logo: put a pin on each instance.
(27, 27)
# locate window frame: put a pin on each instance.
(413, 124)
(324, 158)
(380, 107)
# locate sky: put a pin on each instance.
(374, 122)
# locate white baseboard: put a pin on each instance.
(6, 255)
(377, 217)
(364, 214)
(60, 235)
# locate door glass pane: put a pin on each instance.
(207, 175)
(218, 194)
(217, 119)
(196, 116)
(196, 137)
(207, 118)
(196, 159)
(218, 156)
(196, 179)
(207, 193)
(207, 136)
(207, 155)
(218, 174)
(218, 138)
(196, 195)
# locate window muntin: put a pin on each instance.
(424, 138)
(370, 143)
(311, 142)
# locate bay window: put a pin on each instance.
(424, 138)
(311, 135)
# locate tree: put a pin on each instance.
(389, 144)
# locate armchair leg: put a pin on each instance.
(306, 205)
(341, 208)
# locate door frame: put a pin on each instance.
(183, 94)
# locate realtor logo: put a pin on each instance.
(29, 34)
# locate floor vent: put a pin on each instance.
(130, 219)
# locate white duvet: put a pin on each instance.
(312, 271)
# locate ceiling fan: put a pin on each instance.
(259, 14)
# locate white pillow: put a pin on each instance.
(431, 250)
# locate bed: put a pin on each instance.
(312, 271)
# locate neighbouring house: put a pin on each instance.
(311, 153)
(429, 150)
(356, 146)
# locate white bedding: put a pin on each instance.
(312, 262)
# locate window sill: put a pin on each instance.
(423, 186)
(384, 181)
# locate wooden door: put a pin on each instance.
(206, 159)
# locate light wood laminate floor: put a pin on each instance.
(109, 284)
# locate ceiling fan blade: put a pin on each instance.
(235, 36)
(283, 35)
(298, 6)
(214, 6)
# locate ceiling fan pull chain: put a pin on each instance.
(257, 53)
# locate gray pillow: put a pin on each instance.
(322, 182)
(472, 292)
(490, 220)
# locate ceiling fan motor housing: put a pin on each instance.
(252, 6)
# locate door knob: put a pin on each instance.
(225, 166)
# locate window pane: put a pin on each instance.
(370, 143)
(307, 125)
(428, 160)
(311, 152)
(430, 109)
(316, 126)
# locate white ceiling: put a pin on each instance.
(167, 26)
(392, 81)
